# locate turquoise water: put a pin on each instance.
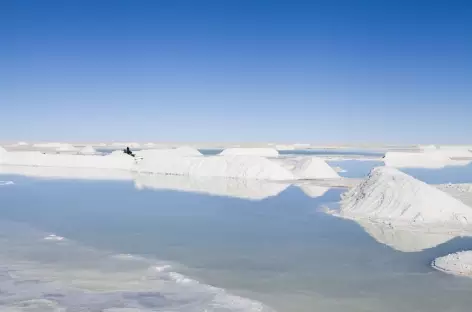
(281, 251)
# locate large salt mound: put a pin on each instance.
(246, 167)
(388, 195)
(459, 263)
(87, 150)
(256, 151)
(313, 168)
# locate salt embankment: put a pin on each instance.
(244, 167)
(122, 162)
(255, 151)
(168, 152)
(459, 263)
(392, 197)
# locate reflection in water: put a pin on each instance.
(239, 188)
(408, 239)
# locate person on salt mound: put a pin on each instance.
(128, 151)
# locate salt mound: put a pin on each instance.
(313, 168)
(256, 151)
(455, 153)
(66, 148)
(188, 151)
(88, 150)
(388, 195)
(245, 167)
(459, 263)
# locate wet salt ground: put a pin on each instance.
(282, 251)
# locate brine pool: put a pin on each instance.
(95, 245)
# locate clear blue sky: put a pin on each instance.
(320, 71)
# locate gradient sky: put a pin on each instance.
(328, 71)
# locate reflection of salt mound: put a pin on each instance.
(245, 167)
(392, 196)
(256, 151)
(459, 263)
(405, 239)
(247, 189)
(313, 168)
(2, 183)
(88, 150)
(314, 190)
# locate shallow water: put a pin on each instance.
(282, 251)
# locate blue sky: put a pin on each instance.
(332, 71)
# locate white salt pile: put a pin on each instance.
(66, 148)
(168, 152)
(124, 144)
(313, 168)
(390, 196)
(459, 263)
(255, 151)
(88, 150)
(245, 167)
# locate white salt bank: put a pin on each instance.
(390, 196)
(255, 151)
(459, 263)
(243, 167)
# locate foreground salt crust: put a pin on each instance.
(390, 196)
(245, 167)
(255, 151)
(459, 263)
